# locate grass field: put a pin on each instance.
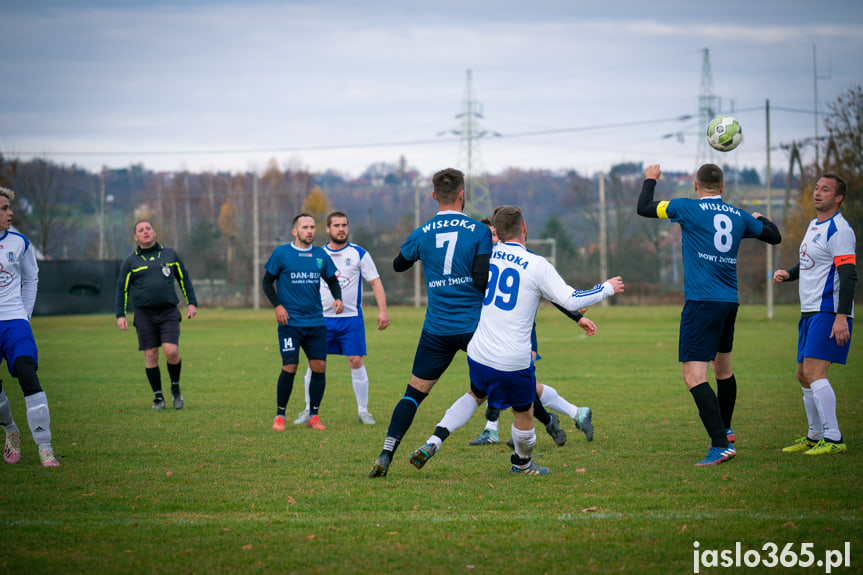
(212, 489)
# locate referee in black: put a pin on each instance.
(151, 270)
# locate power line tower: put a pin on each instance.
(477, 198)
(708, 106)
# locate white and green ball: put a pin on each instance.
(724, 133)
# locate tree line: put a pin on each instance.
(71, 213)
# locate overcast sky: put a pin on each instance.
(333, 84)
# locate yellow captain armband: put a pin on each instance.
(660, 210)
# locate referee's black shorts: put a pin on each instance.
(157, 326)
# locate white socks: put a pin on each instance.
(816, 426)
(307, 380)
(39, 419)
(551, 399)
(458, 413)
(360, 381)
(524, 441)
(824, 399)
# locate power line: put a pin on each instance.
(327, 147)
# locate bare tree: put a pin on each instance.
(844, 153)
(40, 187)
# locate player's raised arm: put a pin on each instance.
(647, 207)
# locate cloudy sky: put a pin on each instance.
(336, 84)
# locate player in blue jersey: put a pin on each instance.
(454, 250)
(711, 234)
(499, 354)
(292, 284)
(346, 332)
(827, 270)
(20, 278)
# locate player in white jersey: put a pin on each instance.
(346, 332)
(499, 354)
(827, 271)
(19, 278)
(546, 396)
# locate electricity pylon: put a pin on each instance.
(477, 198)
(707, 110)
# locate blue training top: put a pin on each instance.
(711, 234)
(298, 276)
(447, 245)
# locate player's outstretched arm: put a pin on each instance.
(770, 232)
(585, 298)
(617, 283)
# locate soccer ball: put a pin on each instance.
(724, 133)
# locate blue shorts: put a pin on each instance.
(813, 339)
(706, 328)
(346, 336)
(312, 340)
(16, 340)
(504, 388)
(435, 353)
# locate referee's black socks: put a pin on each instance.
(154, 376)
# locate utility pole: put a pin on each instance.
(769, 217)
(188, 203)
(256, 247)
(603, 235)
(102, 245)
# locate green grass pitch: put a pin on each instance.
(212, 489)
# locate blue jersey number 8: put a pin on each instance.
(506, 284)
